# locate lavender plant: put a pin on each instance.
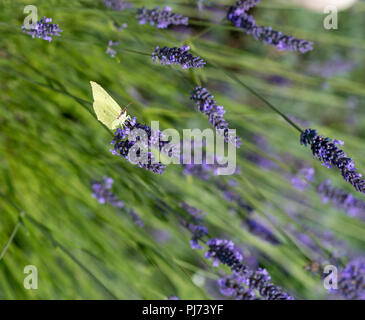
(224, 251)
(235, 286)
(102, 192)
(351, 283)
(109, 50)
(196, 228)
(44, 29)
(118, 5)
(237, 14)
(179, 56)
(162, 18)
(143, 146)
(207, 105)
(342, 199)
(327, 151)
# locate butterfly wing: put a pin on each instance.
(106, 109)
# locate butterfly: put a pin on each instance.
(107, 110)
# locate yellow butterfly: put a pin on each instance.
(107, 110)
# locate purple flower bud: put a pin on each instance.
(224, 251)
(236, 286)
(351, 283)
(327, 152)
(118, 5)
(341, 199)
(102, 192)
(122, 145)
(179, 56)
(238, 16)
(162, 18)
(208, 106)
(44, 29)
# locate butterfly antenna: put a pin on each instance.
(126, 108)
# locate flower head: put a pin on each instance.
(327, 151)
(118, 5)
(162, 18)
(196, 228)
(351, 283)
(224, 251)
(44, 29)
(109, 50)
(236, 286)
(179, 56)
(102, 192)
(207, 105)
(142, 147)
(342, 199)
(238, 16)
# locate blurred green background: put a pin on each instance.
(51, 146)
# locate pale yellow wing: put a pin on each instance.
(106, 109)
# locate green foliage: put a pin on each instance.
(51, 146)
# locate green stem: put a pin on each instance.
(269, 104)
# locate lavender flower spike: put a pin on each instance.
(207, 105)
(224, 251)
(44, 29)
(238, 16)
(196, 228)
(179, 56)
(162, 18)
(342, 199)
(234, 285)
(118, 5)
(327, 151)
(102, 192)
(122, 145)
(351, 283)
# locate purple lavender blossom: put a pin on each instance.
(302, 177)
(122, 145)
(236, 287)
(176, 55)
(261, 231)
(118, 5)
(44, 29)
(232, 196)
(196, 228)
(342, 199)
(162, 18)
(327, 151)
(224, 251)
(207, 105)
(135, 217)
(102, 192)
(109, 50)
(336, 66)
(238, 16)
(351, 283)
(196, 214)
